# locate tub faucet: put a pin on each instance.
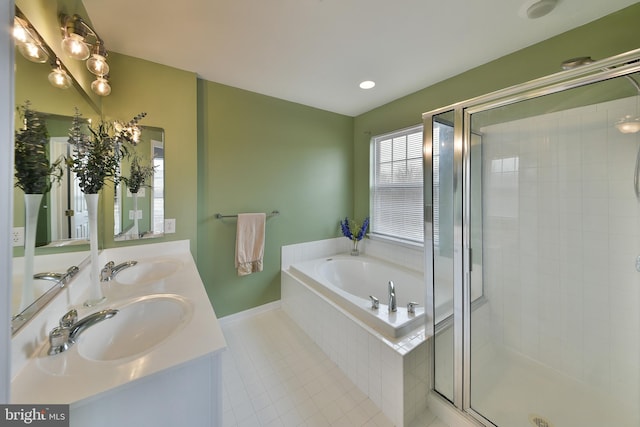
(411, 307)
(392, 297)
(62, 337)
(375, 303)
(110, 270)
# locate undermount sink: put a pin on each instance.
(139, 325)
(147, 272)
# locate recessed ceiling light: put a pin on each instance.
(540, 8)
(367, 84)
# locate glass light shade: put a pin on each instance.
(101, 86)
(628, 124)
(59, 78)
(19, 33)
(33, 52)
(97, 64)
(75, 47)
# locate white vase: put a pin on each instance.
(95, 290)
(135, 233)
(32, 206)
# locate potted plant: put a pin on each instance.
(348, 225)
(95, 160)
(34, 175)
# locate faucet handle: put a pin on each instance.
(375, 303)
(58, 340)
(107, 271)
(411, 307)
(69, 319)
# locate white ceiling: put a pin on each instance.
(316, 52)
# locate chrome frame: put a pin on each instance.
(615, 66)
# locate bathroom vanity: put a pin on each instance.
(157, 361)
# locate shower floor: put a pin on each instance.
(510, 389)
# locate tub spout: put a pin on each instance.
(392, 297)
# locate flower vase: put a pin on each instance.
(135, 234)
(32, 206)
(354, 250)
(95, 290)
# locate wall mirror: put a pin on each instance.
(59, 231)
(139, 199)
(62, 229)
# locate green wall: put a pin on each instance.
(230, 151)
(257, 154)
(168, 96)
(611, 35)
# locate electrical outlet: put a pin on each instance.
(131, 214)
(17, 236)
(169, 226)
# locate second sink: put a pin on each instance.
(147, 272)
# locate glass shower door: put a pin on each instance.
(554, 341)
(533, 254)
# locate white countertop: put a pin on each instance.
(69, 377)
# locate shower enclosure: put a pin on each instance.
(534, 230)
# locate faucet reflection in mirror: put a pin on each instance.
(34, 175)
(95, 159)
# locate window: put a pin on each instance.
(396, 185)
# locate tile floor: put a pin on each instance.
(275, 375)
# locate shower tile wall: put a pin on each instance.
(561, 237)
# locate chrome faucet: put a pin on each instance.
(58, 277)
(411, 307)
(375, 303)
(62, 337)
(392, 298)
(110, 269)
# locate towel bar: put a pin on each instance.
(269, 215)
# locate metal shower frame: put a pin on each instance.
(605, 69)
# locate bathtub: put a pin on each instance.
(348, 281)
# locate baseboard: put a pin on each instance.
(249, 313)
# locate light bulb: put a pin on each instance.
(97, 64)
(75, 47)
(19, 33)
(33, 52)
(628, 124)
(59, 78)
(101, 86)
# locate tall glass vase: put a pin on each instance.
(32, 206)
(95, 291)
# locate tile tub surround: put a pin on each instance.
(196, 347)
(393, 373)
(275, 375)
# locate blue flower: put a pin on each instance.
(346, 226)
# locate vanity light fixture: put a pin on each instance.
(28, 41)
(77, 35)
(74, 32)
(97, 63)
(58, 77)
(101, 86)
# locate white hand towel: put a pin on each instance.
(250, 242)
